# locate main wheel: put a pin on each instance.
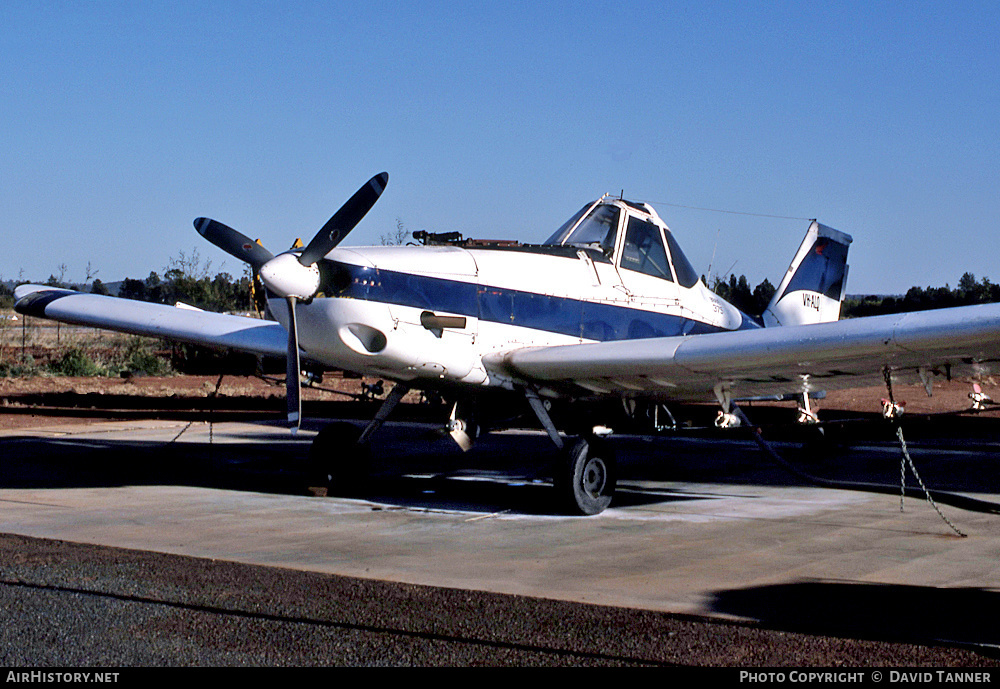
(337, 460)
(585, 482)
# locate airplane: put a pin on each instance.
(606, 308)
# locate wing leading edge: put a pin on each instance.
(154, 320)
(750, 363)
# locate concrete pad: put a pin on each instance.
(482, 521)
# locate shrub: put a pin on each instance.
(16, 369)
(141, 357)
(75, 362)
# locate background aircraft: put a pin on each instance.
(607, 307)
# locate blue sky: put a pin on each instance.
(122, 122)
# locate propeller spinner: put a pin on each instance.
(295, 277)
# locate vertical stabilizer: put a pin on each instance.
(814, 285)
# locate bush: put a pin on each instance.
(16, 369)
(136, 355)
(141, 357)
(198, 360)
(75, 362)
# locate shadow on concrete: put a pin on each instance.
(415, 465)
(883, 612)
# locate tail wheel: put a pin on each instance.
(337, 460)
(586, 480)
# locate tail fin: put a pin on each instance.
(814, 285)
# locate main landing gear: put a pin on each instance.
(584, 475)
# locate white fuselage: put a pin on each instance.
(508, 299)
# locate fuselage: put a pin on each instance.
(613, 272)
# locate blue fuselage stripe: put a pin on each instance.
(564, 315)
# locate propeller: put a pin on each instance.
(344, 220)
(295, 277)
(233, 243)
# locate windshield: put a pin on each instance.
(560, 235)
(598, 230)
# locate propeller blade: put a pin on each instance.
(232, 242)
(293, 397)
(344, 220)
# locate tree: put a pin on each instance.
(762, 295)
(967, 283)
(6, 296)
(133, 289)
(969, 291)
(153, 287)
(738, 293)
(91, 273)
(395, 238)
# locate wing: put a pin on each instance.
(771, 361)
(154, 320)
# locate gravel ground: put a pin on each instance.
(69, 604)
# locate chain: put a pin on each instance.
(211, 410)
(927, 493)
(902, 467)
(190, 423)
(892, 414)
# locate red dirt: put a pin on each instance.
(13, 392)
(950, 396)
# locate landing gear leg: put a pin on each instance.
(538, 406)
(340, 454)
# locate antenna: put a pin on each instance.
(714, 247)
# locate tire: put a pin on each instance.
(585, 483)
(337, 461)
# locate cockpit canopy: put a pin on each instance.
(631, 235)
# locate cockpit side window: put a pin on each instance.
(686, 274)
(599, 230)
(643, 250)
